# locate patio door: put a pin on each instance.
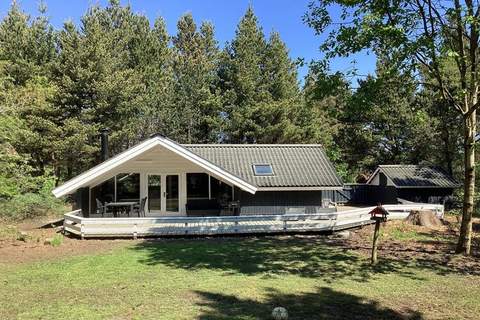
(171, 193)
(154, 192)
(163, 193)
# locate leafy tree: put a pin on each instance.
(325, 97)
(448, 134)
(418, 33)
(15, 168)
(383, 123)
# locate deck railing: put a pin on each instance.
(165, 226)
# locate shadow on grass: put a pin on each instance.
(324, 304)
(305, 256)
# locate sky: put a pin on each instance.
(284, 16)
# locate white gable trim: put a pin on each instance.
(333, 188)
(378, 171)
(373, 175)
(83, 179)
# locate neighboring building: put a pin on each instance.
(207, 179)
(414, 183)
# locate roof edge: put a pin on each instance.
(87, 176)
(379, 168)
(305, 188)
(252, 145)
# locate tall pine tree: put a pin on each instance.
(261, 94)
(195, 65)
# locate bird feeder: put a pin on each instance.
(379, 214)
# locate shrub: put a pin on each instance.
(30, 205)
(57, 240)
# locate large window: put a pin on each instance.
(197, 186)
(221, 191)
(128, 187)
(104, 192)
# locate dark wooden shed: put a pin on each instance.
(416, 183)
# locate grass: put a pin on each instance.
(8, 232)
(237, 278)
(405, 232)
(57, 240)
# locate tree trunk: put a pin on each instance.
(447, 153)
(465, 239)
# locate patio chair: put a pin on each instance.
(140, 209)
(100, 207)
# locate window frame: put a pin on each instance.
(263, 174)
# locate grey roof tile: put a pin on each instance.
(418, 176)
(293, 165)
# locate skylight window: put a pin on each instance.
(262, 170)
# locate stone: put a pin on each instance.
(48, 241)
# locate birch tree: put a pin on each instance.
(417, 34)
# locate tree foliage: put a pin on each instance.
(418, 35)
(259, 80)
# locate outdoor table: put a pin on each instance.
(127, 204)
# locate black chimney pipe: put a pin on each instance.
(104, 143)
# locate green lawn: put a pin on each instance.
(238, 278)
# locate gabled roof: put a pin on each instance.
(295, 167)
(110, 164)
(416, 176)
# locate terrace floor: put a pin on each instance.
(135, 227)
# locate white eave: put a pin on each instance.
(294, 188)
(83, 179)
(373, 175)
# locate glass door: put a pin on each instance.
(154, 188)
(171, 194)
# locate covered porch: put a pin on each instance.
(153, 193)
(156, 178)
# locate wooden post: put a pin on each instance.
(376, 235)
(82, 232)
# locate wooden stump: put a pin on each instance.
(426, 218)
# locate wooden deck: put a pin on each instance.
(83, 227)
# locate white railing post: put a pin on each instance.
(135, 231)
